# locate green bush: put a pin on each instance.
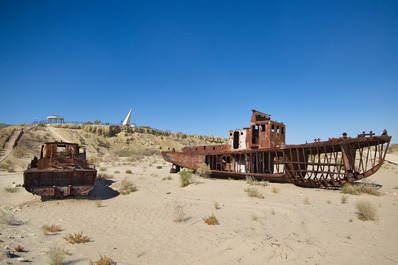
(185, 178)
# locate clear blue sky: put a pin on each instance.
(200, 67)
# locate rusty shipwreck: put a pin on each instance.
(62, 170)
(260, 151)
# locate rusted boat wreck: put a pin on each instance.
(62, 170)
(260, 151)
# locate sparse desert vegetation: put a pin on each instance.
(51, 229)
(275, 189)
(211, 220)
(11, 189)
(344, 199)
(77, 238)
(185, 178)
(103, 260)
(56, 255)
(366, 211)
(357, 189)
(253, 192)
(306, 200)
(217, 206)
(7, 217)
(126, 187)
(179, 214)
(128, 171)
(203, 170)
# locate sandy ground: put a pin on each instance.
(139, 228)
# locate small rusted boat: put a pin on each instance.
(62, 170)
(260, 151)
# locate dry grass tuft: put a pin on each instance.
(56, 255)
(11, 190)
(51, 229)
(104, 176)
(366, 211)
(104, 260)
(98, 202)
(19, 248)
(203, 170)
(306, 200)
(7, 218)
(253, 192)
(77, 238)
(358, 189)
(126, 187)
(344, 199)
(275, 189)
(185, 178)
(180, 215)
(128, 171)
(217, 206)
(103, 169)
(211, 220)
(329, 202)
(159, 167)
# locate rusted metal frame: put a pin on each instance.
(325, 159)
(305, 163)
(354, 164)
(367, 155)
(299, 168)
(336, 169)
(361, 163)
(263, 155)
(312, 165)
(269, 162)
(374, 159)
(292, 170)
(380, 150)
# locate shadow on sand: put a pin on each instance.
(102, 190)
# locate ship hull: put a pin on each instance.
(319, 164)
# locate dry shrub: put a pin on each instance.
(185, 178)
(159, 167)
(98, 202)
(275, 189)
(19, 248)
(358, 189)
(104, 260)
(77, 238)
(11, 190)
(126, 187)
(253, 192)
(211, 220)
(217, 206)
(203, 170)
(51, 229)
(7, 218)
(104, 176)
(252, 181)
(366, 211)
(93, 160)
(344, 199)
(103, 169)
(306, 200)
(56, 255)
(179, 214)
(128, 171)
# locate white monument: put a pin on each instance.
(127, 119)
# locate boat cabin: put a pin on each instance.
(263, 133)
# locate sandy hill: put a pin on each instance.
(106, 143)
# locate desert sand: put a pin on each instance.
(140, 228)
